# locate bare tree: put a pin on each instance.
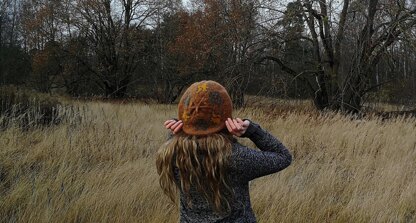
(113, 30)
(223, 35)
(378, 24)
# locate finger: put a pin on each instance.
(237, 125)
(170, 124)
(178, 128)
(175, 125)
(243, 124)
(239, 120)
(231, 123)
(168, 121)
(228, 126)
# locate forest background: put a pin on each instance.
(85, 86)
(340, 54)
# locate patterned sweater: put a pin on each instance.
(245, 165)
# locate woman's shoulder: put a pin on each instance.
(239, 150)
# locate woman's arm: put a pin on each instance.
(272, 157)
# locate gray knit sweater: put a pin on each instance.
(245, 165)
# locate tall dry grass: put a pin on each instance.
(101, 169)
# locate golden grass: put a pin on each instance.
(102, 169)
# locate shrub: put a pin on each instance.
(26, 108)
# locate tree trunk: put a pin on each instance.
(115, 91)
(237, 96)
(321, 97)
(351, 97)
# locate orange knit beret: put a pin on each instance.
(204, 107)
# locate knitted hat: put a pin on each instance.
(204, 107)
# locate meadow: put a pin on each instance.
(98, 165)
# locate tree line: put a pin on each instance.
(338, 53)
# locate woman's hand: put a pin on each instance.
(237, 126)
(174, 125)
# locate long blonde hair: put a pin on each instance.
(200, 161)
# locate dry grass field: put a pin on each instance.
(101, 168)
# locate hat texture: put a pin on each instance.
(204, 107)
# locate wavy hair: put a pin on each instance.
(201, 161)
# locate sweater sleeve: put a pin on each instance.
(272, 157)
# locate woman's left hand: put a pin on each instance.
(174, 125)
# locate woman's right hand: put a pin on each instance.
(174, 125)
(237, 126)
